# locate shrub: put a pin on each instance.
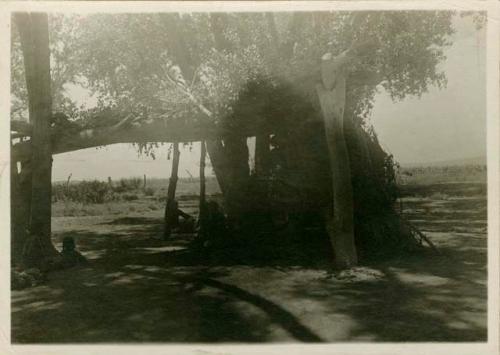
(83, 191)
(129, 184)
(149, 191)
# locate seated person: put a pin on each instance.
(70, 256)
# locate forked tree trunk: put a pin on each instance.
(215, 148)
(340, 221)
(171, 207)
(34, 34)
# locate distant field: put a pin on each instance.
(442, 174)
(185, 186)
(96, 198)
(130, 195)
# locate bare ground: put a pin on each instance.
(139, 288)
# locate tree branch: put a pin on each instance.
(157, 131)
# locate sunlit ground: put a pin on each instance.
(139, 288)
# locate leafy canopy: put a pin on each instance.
(135, 63)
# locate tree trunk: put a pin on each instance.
(183, 58)
(21, 183)
(218, 159)
(171, 207)
(25, 185)
(230, 164)
(262, 159)
(236, 150)
(18, 221)
(202, 173)
(340, 221)
(34, 34)
(202, 207)
(215, 148)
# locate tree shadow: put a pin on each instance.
(205, 278)
(138, 303)
(140, 288)
(421, 297)
(393, 310)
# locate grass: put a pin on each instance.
(95, 198)
(78, 209)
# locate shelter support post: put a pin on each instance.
(171, 207)
(34, 35)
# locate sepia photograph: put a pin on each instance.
(265, 175)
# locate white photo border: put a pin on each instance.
(493, 152)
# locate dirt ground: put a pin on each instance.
(139, 288)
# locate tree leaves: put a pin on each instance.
(124, 59)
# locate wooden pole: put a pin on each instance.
(171, 207)
(67, 182)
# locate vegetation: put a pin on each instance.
(95, 191)
(223, 77)
(107, 54)
(95, 198)
(85, 192)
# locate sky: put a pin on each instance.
(443, 125)
(448, 124)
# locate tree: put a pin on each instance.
(129, 73)
(33, 30)
(63, 43)
(225, 77)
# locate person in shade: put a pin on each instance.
(70, 256)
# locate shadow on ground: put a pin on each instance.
(139, 288)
